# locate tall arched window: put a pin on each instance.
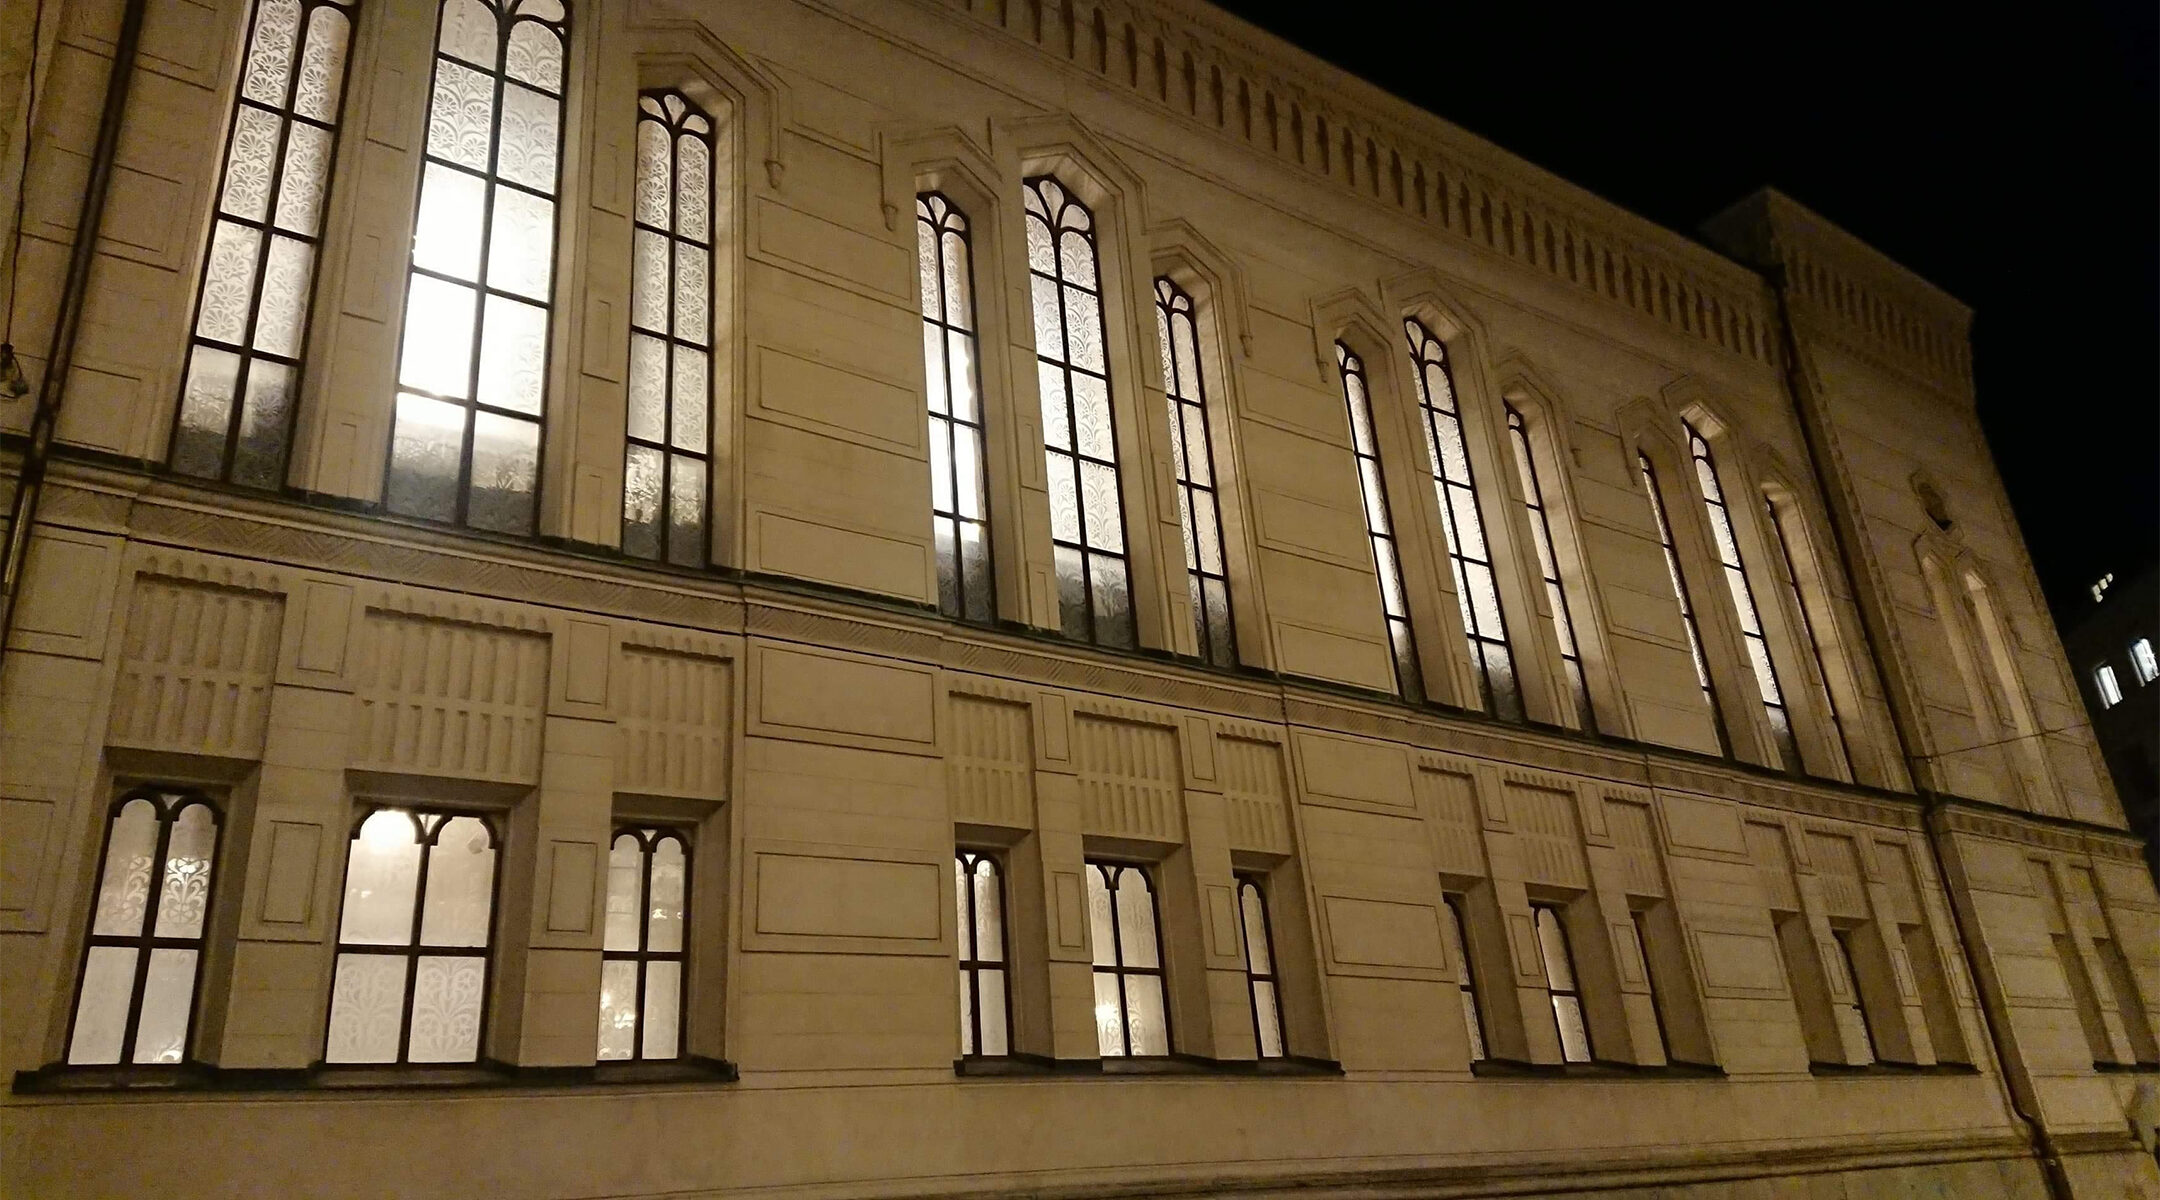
(641, 950)
(959, 513)
(1807, 626)
(667, 465)
(135, 1002)
(1680, 594)
(1261, 981)
(1193, 458)
(1131, 1013)
(1549, 567)
(472, 369)
(258, 282)
(1743, 598)
(1087, 514)
(1379, 530)
(1476, 589)
(985, 1021)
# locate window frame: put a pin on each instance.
(966, 859)
(1848, 962)
(643, 956)
(1473, 1005)
(1401, 630)
(1186, 412)
(1746, 611)
(1661, 526)
(2144, 666)
(1110, 870)
(945, 425)
(2106, 686)
(1539, 511)
(1811, 632)
(1554, 994)
(1272, 977)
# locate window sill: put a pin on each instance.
(1824, 1070)
(1507, 1068)
(2129, 1068)
(61, 1079)
(1030, 1066)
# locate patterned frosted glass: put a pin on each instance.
(1129, 1005)
(1379, 530)
(130, 856)
(137, 991)
(959, 510)
(505, 473)
(382, 875)
(460, 885)
(663, 1010)
(618, 1010)
(980, 910)
(1109, 1015)
(669, 897)
(1756, 645)
(367, 1009)
(1192, 463)
(670, 314)
(168, 1001)
(1458, 949)
(1560, 982)
(625, 893)
(101, 1010)
(447, 994)
(184, 902)
(641, 992)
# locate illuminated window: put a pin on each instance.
(1743, 598)
(985, 1008)
(1640, 930)
(1680, 594)
(667, 464)
(641, 954)
(1854, 1000)
(1476, 589)
(1260, 980)
(1560, 984)
(1131, 1015)
(2104, 681)
(1379, 530)
(1087, 515)
(413, 940)
(251, 315)
(1458, 933)
(472, 370)
(1192, 457)
(1549, 567)
(1807, 625)
(136, 999)
(958, 512)
(2142, 663)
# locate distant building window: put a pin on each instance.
(641, 957)
(2104, 681)
(1560, 984)
(985, 1026)
(1131, 1013)
(1379, 530)
(1192, 458)
(136, 1000)
(2142, 662)
(959, 514)
(1260, 978)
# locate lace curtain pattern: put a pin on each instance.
(1131, 1017)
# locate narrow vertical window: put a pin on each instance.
(1743, 598)
(1560, 984)
(985, 1020)
(136, 999)
(1458, 933)
(1379, 530)
(1087, 514)
(1638, 927)
(1807, 627)
(1260, 982)
(1131, 1016)
(641, 951)
(258, 282)
(414, 939)
(1549, 567)
(2142, 662)
(2104, 682)
(2123, 983)
(1854, 1002)
(958, 510)
(667, 463)
(472, 369)
(1477, 591)
(1192, 457)
(1680, 594)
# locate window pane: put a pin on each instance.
(1100, 920)
(131, 848)
(967, 1012)
(1136, 919)
(505, 470)
(438, 338)
(1268, 1017)
(1256, 931)
(1144, 1012)
(1574, 1037)
(168, 998)
(1552, 943)
(618, 1010)
(382, 875)
(989, 915)
(670, 891)
(184, 900)
(229, 284)
(663, 1009)
(101, 1013)
(447, 994)
(460, 885)
(461, 116)
(1109, 1015)
(994, 1021)
(626, 883)
(367, 1004)
(642, 469)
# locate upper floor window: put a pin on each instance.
(2104, 681)
(1260, 975)
(979, 890)
(1807, 625)
(1087, 513)
(414, 939)
(1560, 984)
(667, 463)
(1549, 567)
(1193, 459)
(135, 1002)
(1477, 591)
(472, 370)
(1131, 1016)
(641, 951)
(1743, 598)
(1680, 594)
(958, 511)
(258, 281)
(2142, 663)
(1379, 529)
(1458, 935)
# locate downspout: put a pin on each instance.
(30, 481)
(1991, 997)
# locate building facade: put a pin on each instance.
(678, 598)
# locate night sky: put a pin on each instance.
(2010, 156)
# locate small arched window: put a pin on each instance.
(959, 511)
(1680, 594)
(1458, 935)
(473, 363)
(1549, 567)
(1379, 530)
(1192, 458)
(1132, 1016)
(135, 1002)
(258, 282)
(1469, 558)
(642, 948)
(1261, 982)
(667, 465)
(1561, 985)
(1087, 511)
(985, 1020)
(1743, 598)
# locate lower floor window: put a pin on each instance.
(1458, 932)
(1130, 1014)
(1561, 985)
(1853, 999)
(1260, 967)
(641, 956)
(985, 1028)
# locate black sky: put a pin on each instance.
(2011, 156)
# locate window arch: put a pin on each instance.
(135, 998)
(985, 994)
(473, 358)
(1087, 511)
(238, 402)
(1549, 568)
(1680, 594)
(1754, 640)
(959, 506)
(667, 464)
(1477, 590)
(642, 977)
(1192, 459)
(1379, 529)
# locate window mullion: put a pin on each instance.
(167, 818)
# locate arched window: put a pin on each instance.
(642, 947)
(1192, 457)
(1476, 590)
(959, 512)
(1260, 978)
(258, 282)
(472, 368)
(1458, 935)
(1379, 530)
(1560, 984)
(1087, 513)
(1680, 594)
(1743, 598)
(1131, 1016)
(985, 1021)
(667, 465)
(1549, 567)
(414, 938)
(1807, 627)
(135, 1002)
